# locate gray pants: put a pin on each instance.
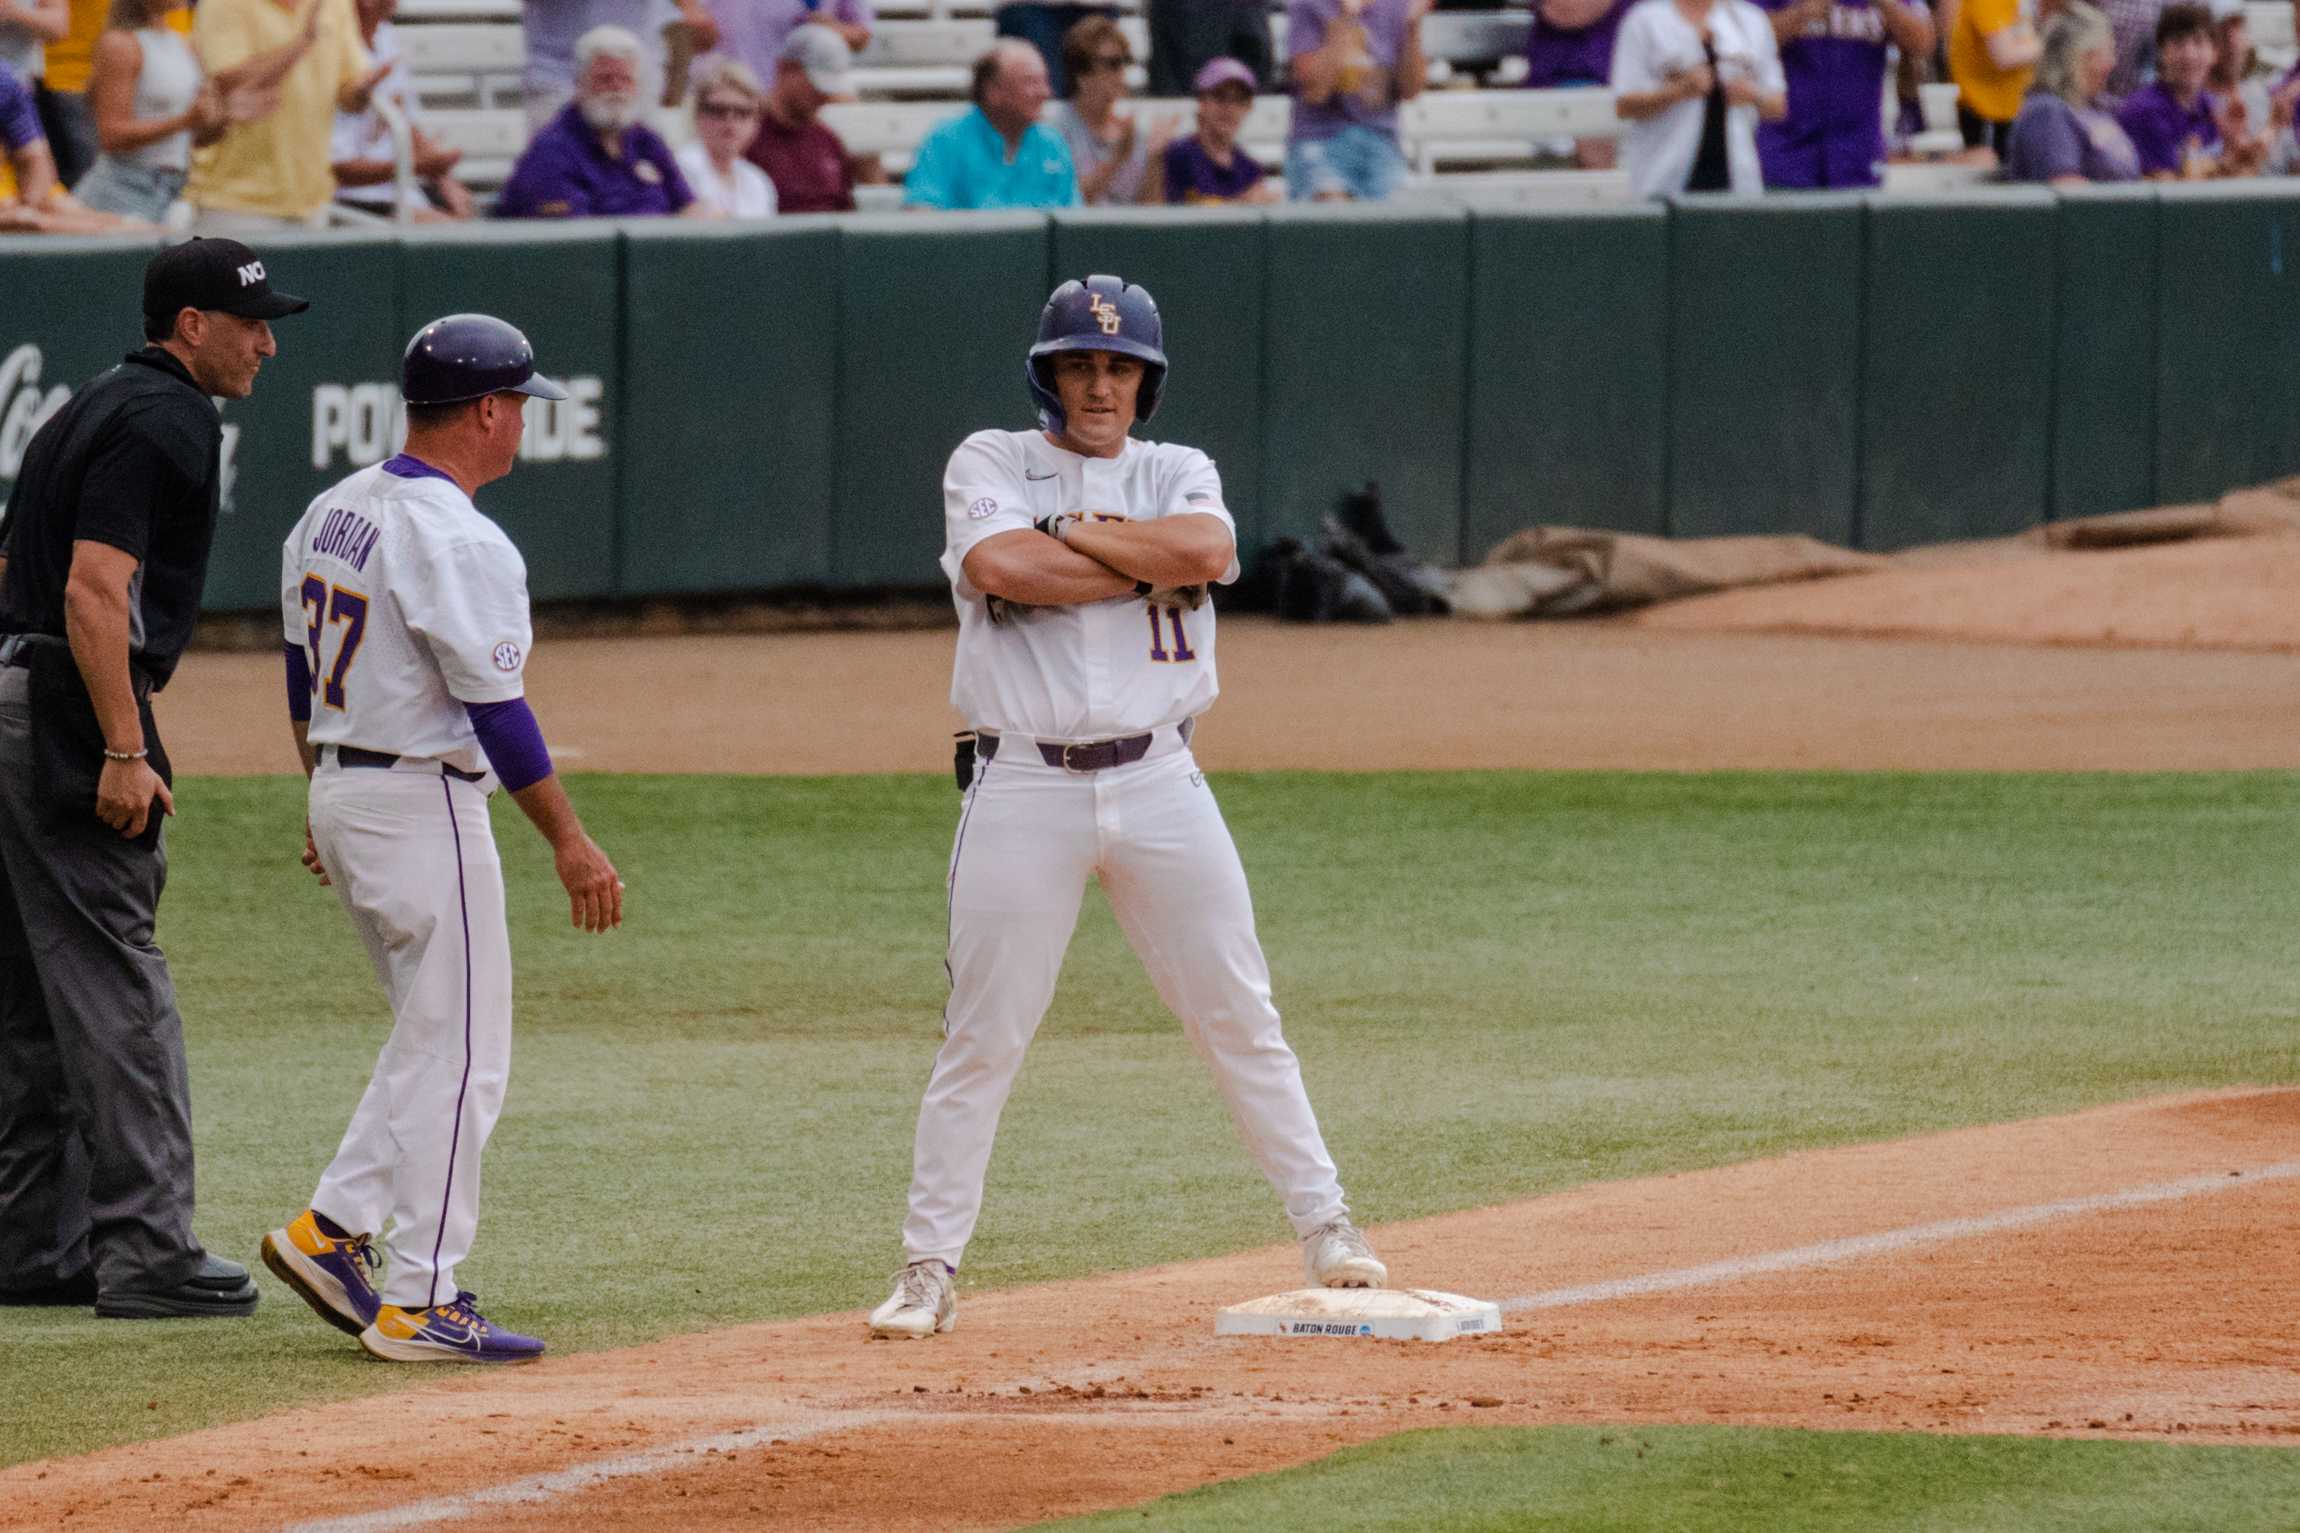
(95, 1105)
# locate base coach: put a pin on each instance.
(106, 550)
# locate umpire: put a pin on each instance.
(106, 550)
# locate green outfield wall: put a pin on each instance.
(769, 406)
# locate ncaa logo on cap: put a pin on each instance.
(251, 274)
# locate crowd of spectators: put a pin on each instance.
(244, 117)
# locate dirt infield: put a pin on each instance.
(1432, 694)
(2104, 1273)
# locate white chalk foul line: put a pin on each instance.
(540, 1488)
(1858, 1246)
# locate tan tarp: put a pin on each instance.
(1560, 571)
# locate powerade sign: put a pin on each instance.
(356, 424)
(328, 403)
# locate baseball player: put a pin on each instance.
(407, 638)
(1078, 559)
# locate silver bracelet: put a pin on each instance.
(113, 755)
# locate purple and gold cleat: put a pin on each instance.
(445, 1333)
(335, 1276)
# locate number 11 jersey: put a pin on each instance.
(408, 604)
(1097, 669)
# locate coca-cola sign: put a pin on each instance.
(23, 405)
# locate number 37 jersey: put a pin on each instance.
(1097, 669)
(408, 604)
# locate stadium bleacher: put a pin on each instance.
(1474, 136)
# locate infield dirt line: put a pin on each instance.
(1858, 1247)
(539, 1489)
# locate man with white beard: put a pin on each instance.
(596, 159)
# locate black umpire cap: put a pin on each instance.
(214, 274)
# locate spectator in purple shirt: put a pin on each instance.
(2063, 136)
(1833, 52)
(2173, 121)
(596, 159)
(1352, 62)
(1571, 45)
(1208, 166)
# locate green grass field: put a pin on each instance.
(1724, 1480)
(1532, 980)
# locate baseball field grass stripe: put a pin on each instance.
(1858, 1247)
(539, 1488)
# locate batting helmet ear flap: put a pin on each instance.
(1102, 313)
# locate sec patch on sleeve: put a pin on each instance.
(982, 508)
(507, 656)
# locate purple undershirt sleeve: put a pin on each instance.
(513, 741)
(298, 682)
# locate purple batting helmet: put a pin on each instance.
(469, 356)
(1099, 314)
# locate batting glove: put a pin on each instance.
(1190, 598)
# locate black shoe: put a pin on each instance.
(77, 1292)
(220, 1287)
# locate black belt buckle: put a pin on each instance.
(1097, 755)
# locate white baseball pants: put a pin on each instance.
(1029, 837)
(413, 857)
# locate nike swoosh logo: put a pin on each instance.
(1027, 474)
(460, 1336)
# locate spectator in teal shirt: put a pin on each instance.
(997, 155)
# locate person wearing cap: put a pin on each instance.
(1209, 167)
(810, 166)
(754, 31)
(596, 159)
(407, 635)
(107, 538)
(997, 154)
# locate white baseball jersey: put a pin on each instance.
(1096, 669)
(409, 604)
(1032, 835)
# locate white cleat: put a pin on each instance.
(924, 1303)
(1336, 1255)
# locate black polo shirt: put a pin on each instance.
(133, 460)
